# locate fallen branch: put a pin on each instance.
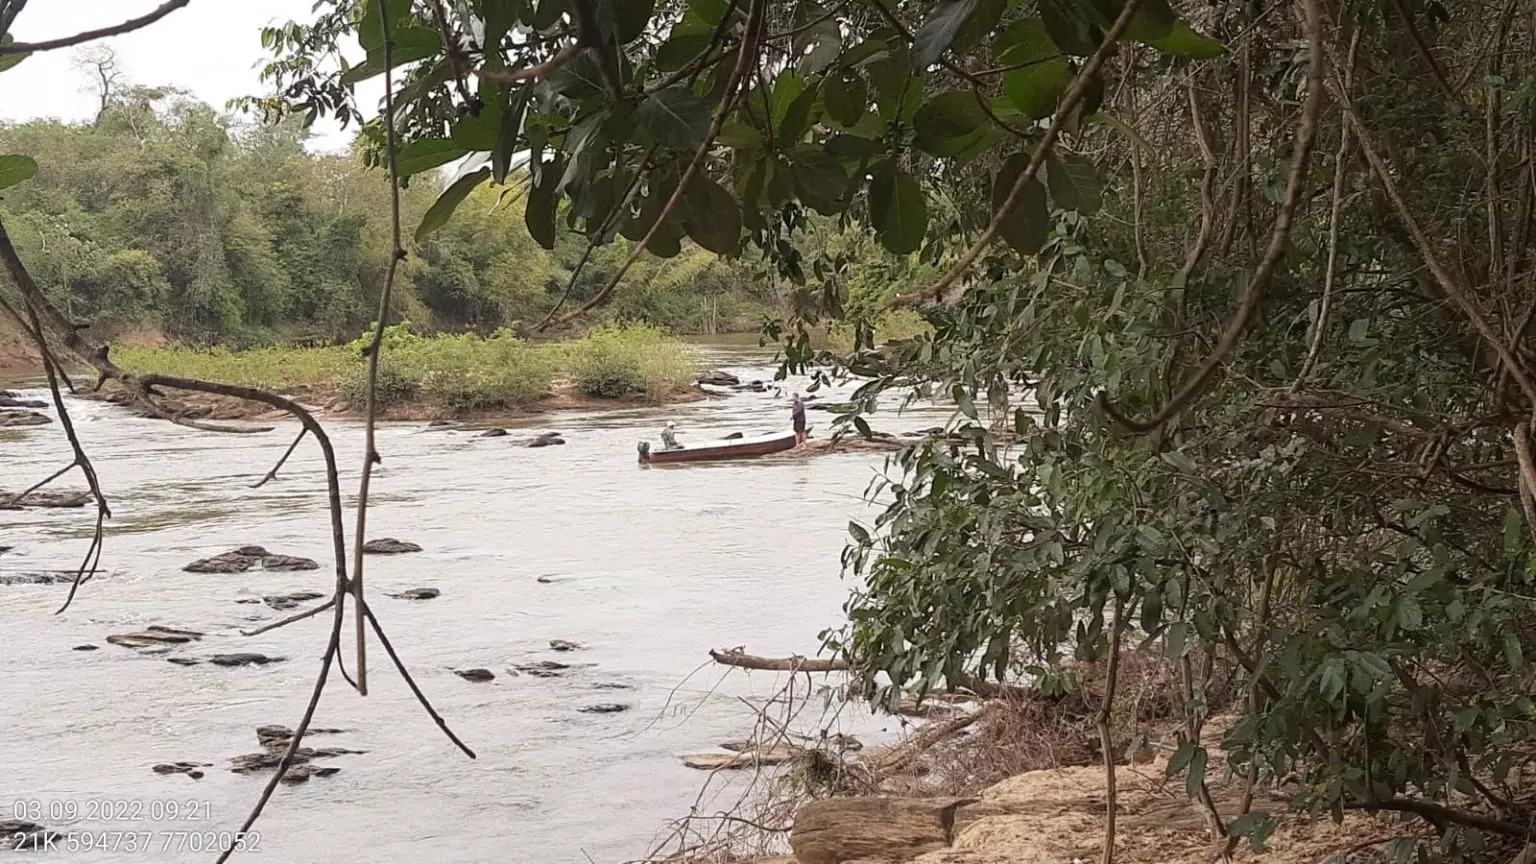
(308, 613)
(742, 660)
(925, 738)
(275, 468)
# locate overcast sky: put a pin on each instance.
(211, 48)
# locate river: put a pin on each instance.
(649, 568)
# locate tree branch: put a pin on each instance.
(128, 26)
(1306, 136)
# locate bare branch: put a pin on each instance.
(275, 468)
(291, 619)
(128, 26)
(378, 630)
(518, 76)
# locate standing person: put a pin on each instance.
(797, 414)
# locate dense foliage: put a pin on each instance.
(1306, 235)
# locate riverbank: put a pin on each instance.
(464, 377)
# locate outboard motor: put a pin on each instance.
(645, 451)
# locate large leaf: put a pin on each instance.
(9, 60)
(16, 168)
(676, 117)
(898, 210)
(1074, 184)
(1154, 19)
(1181, 41)
(890, 69)
(631, 18)
(714, 219)
(499, 17)
(979, 25)
(1037, 89)
(442, 209)
(411, 44)
(508, 134)
(539, 214)
(685, 43)
(478, 131)
(370, 28)
(950, 122)
(819, 178)
(579, 79)
(818, 41)
(939, 31)
(426, 154)
(1068, 28)
(845, 97)
(1027, 227)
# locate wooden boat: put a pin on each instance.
(727, 448)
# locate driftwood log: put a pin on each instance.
(739, 658)
(883, 829)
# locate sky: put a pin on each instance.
(211, 48)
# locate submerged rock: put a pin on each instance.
(284, 602)
(23, 418)
(301, 773)
(191, 769)
(436, 424)
(544, 668)
(288, 563)
(389, 546)
(416, 594)
(21, 834)
(11, 400)
(183, 661)
(719, 378)
(604, 708)
(154, 635)
(34, 578)
(245, 658)
(44, 499)
(475, 674)
(85, 648)
(548, 439)
(563, 645)
(493, 433)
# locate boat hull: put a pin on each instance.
(743, 448)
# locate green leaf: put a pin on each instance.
(1196, 777)
(1036, 90)
(685, 43)
(711, 12)
(1178, 639)
(499, 17)
(631, 18)
(426, 154)
(16, 168)
(1181, 41)
(978, 25)
(890, 69)
(898, 210)
(1514, 530)
(714, 218)
(1332, 678)
(1513, 653)
(507, 135)
(579, 79)
(1074, 184)
(9, 60)
(442, 209)
(963, 401)
(1180, 460)
(860, 535)
(846, 97)
(1028, 226)
(818, 40)
(676, 117)
(370, 27)
(936, 34)
(539, 213)
(411, 44)
(478, 132)
(1180, 759)
(1410, 616)
(819, 178)
(1154, 19)
(954, 114)
(1256, 826)
(1069, 29)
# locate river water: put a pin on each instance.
(647, 567)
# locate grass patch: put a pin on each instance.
(463, 372)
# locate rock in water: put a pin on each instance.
(389, 546)
(416, 594)
(191, 769)
(243, 659)
(287, 563)
(603, 708)
(719, 378)
(229, 562)
(23, 418)
(301, 773)
(563, 645)
(85, 647)
(548, 439)
(154, 635)
(44, 499)
(475, 674)
(34, 578)
(183, 661)
(494, 433)
(284, 602)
